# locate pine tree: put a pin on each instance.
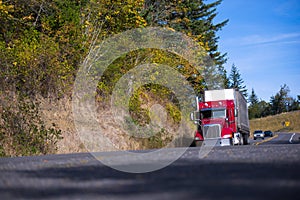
(254, 107)
(279, 102)
(253, 99)
(226, 79)
(195, 19)
(236, 81)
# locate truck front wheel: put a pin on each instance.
(198, 143)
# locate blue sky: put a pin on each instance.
(262, 39)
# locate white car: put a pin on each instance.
(258, 134)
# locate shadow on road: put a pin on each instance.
(202, 179)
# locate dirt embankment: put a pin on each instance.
(285, 122)
(60, 113)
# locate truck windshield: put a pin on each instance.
(220, 113)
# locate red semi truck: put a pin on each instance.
(222, 116)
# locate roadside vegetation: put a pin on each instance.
(284, 122)
(22, 131)
(280, 114)
(279, 103)
(43, 43)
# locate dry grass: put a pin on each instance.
(60, 113)
(274, 123)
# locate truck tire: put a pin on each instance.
(198, 143)
(245, 140)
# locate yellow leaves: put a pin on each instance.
(140, 21)
(87, 23)
(185, 10)
(6, 9)
(186, 20)
(199, 37)
(152, 77)
(171, 29)
(30, 17)
(10, 8)
(205, 45)
(174, 112)
(107, 18)
(178, 20)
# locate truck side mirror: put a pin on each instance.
(195, 116)
(192, 117)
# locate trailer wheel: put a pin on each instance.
(245, 140)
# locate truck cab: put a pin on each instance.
(218, 120)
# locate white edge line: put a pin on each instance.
(291, 139)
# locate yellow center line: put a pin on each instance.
(258, 143)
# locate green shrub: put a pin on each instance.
(22, 131)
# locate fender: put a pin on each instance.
(198, 136)
(227, 133)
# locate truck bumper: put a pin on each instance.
(226, 142)
(218, 142)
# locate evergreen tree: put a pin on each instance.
(195, 19)
(226, 79)
(235, 80)
(298, 102)
(253, 109)
(279, 102)
(264, 108)
(253, 99)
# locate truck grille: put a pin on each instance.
(212, 131)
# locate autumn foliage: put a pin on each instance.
(43, 44)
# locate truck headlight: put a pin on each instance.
(227, 136)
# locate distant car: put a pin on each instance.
(258, 134)
(268, 134)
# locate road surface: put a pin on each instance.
(268, 169)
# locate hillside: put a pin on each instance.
(275, 123)
(44, 45)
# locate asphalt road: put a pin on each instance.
(268, 169)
